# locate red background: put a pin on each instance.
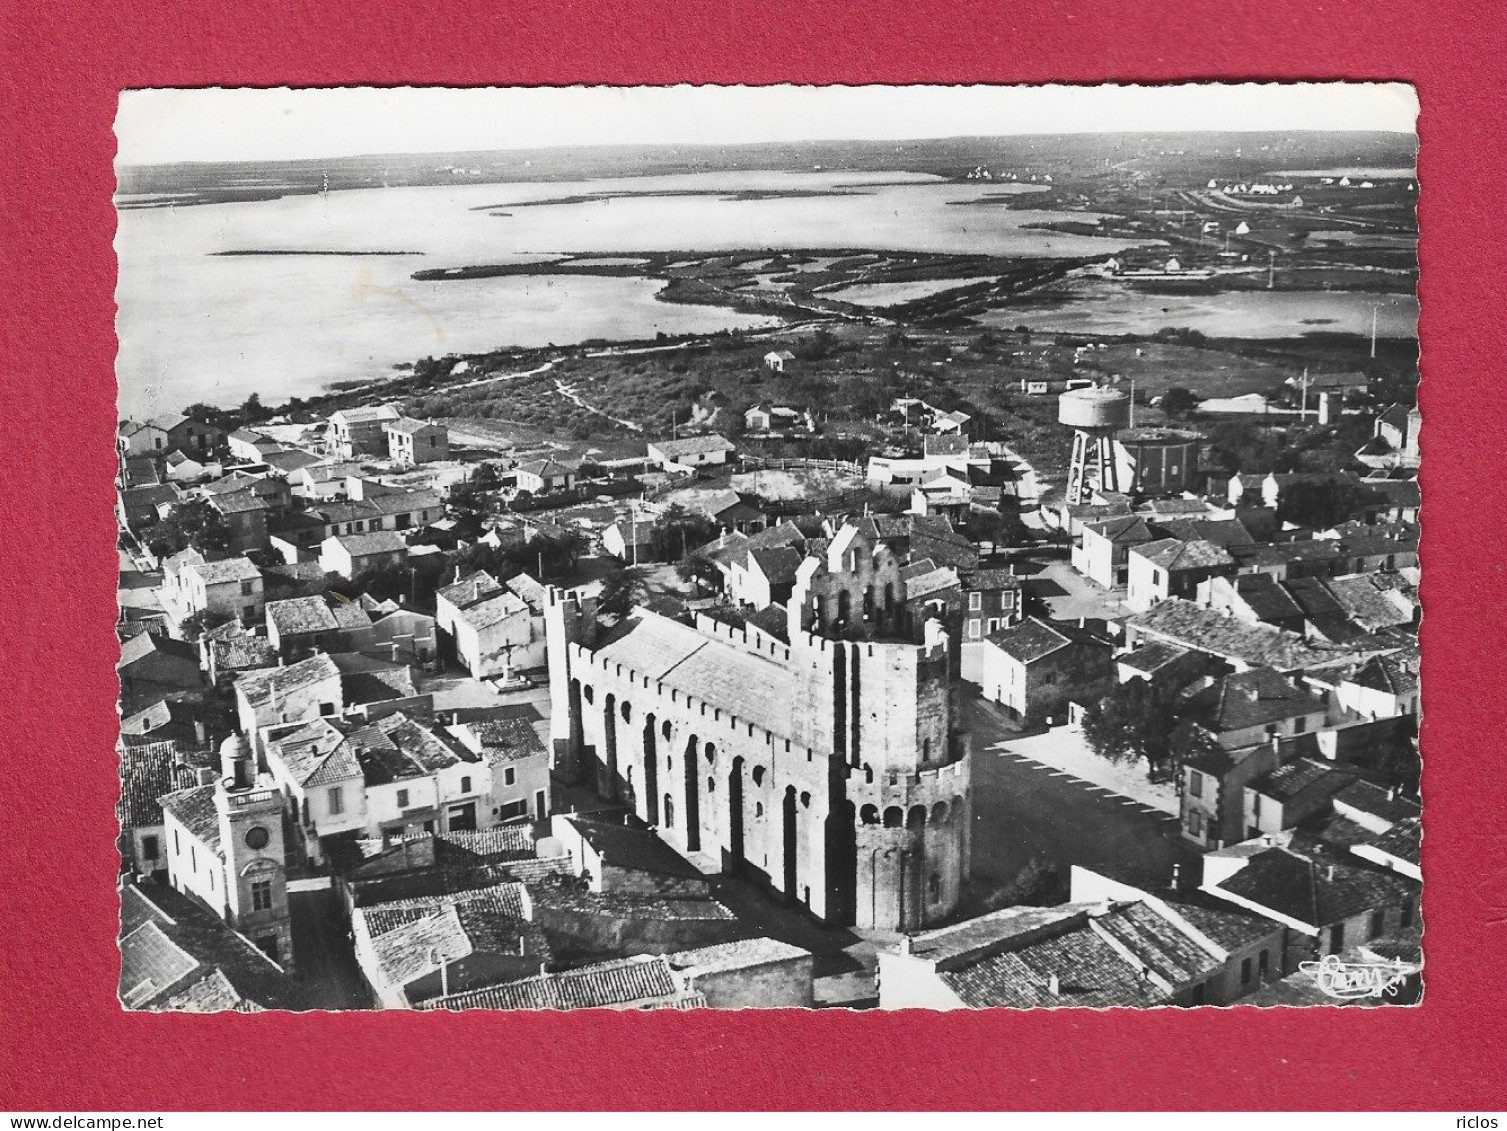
(64, 1043)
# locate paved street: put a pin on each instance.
(1023, 809)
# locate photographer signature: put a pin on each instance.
(1346, 980)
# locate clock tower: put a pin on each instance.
(251, 839)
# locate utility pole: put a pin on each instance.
(1303, 409)
(1271, 269)
(1374, 309)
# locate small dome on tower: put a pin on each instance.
(234, 748)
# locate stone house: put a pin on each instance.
(298, 692)
(540, 475)
(413, 442)
(710, 450)
(350, 555)
(521, 787)
(231, 588)
(1035, 669)
(764, 576)
(1168, 567)
(300, 626)
(1328, 900)
(359, 431)
(761, 973)
(1102, 553)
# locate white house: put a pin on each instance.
(692, 451)
(776, 360)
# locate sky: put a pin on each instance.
(234, 124)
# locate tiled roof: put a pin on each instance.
(1221, 532)
(777, 564)
(692, 445)
(260, 685)
(544, 468)
(398, 502)
(1158, 942)
(500, 844)
(212, 993)
(1226, 925)
(1305, 777)
(530, 591)
(300, 615)
(146, 644)
(1206, 630)
(633, 848)
(1370, 602)
(1124, 528)
(1313, 891)
(241, 653)
(507, 740)
(408, 425)
(1265, 597)
(740, 955)
(492, 609)
(147, 771)
(367, 679)
(989, 579)
(239, 502)
(227, 571)
(364, 415)
(1151, 656)
(377, 542)
(641, 982)
(468, 588)
(753, 688)
(194, 809)
(648, 908)
(934, 581)
(429, 746)
(504, 900)
(1029, 640)
(317, 754)
(1403, 840)
(151, 964)
(1253, 698)
(289, 461)
(1089, 971)
(1171, 554)
(1378, 801)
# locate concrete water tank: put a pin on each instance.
(1093, 409)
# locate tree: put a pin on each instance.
(1131, 723)
(1188, 740)
(699, 570)
(198, 624)
(1178, 402)
(1320, 504)
(1037, 884)
(677, 531)
(192, 523)
(622, 592)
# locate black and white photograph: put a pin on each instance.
(732, 547)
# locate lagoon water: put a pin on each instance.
(195, 325)
(1112, 309)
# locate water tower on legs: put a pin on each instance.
(1094, 415)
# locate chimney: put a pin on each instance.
(1393, 793)
(205, 775)
(905, 944)
(201, 736)
(1054, 985)
(1177, 876)
(1329, 874)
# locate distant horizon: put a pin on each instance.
(212, 126)
(815, 141)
